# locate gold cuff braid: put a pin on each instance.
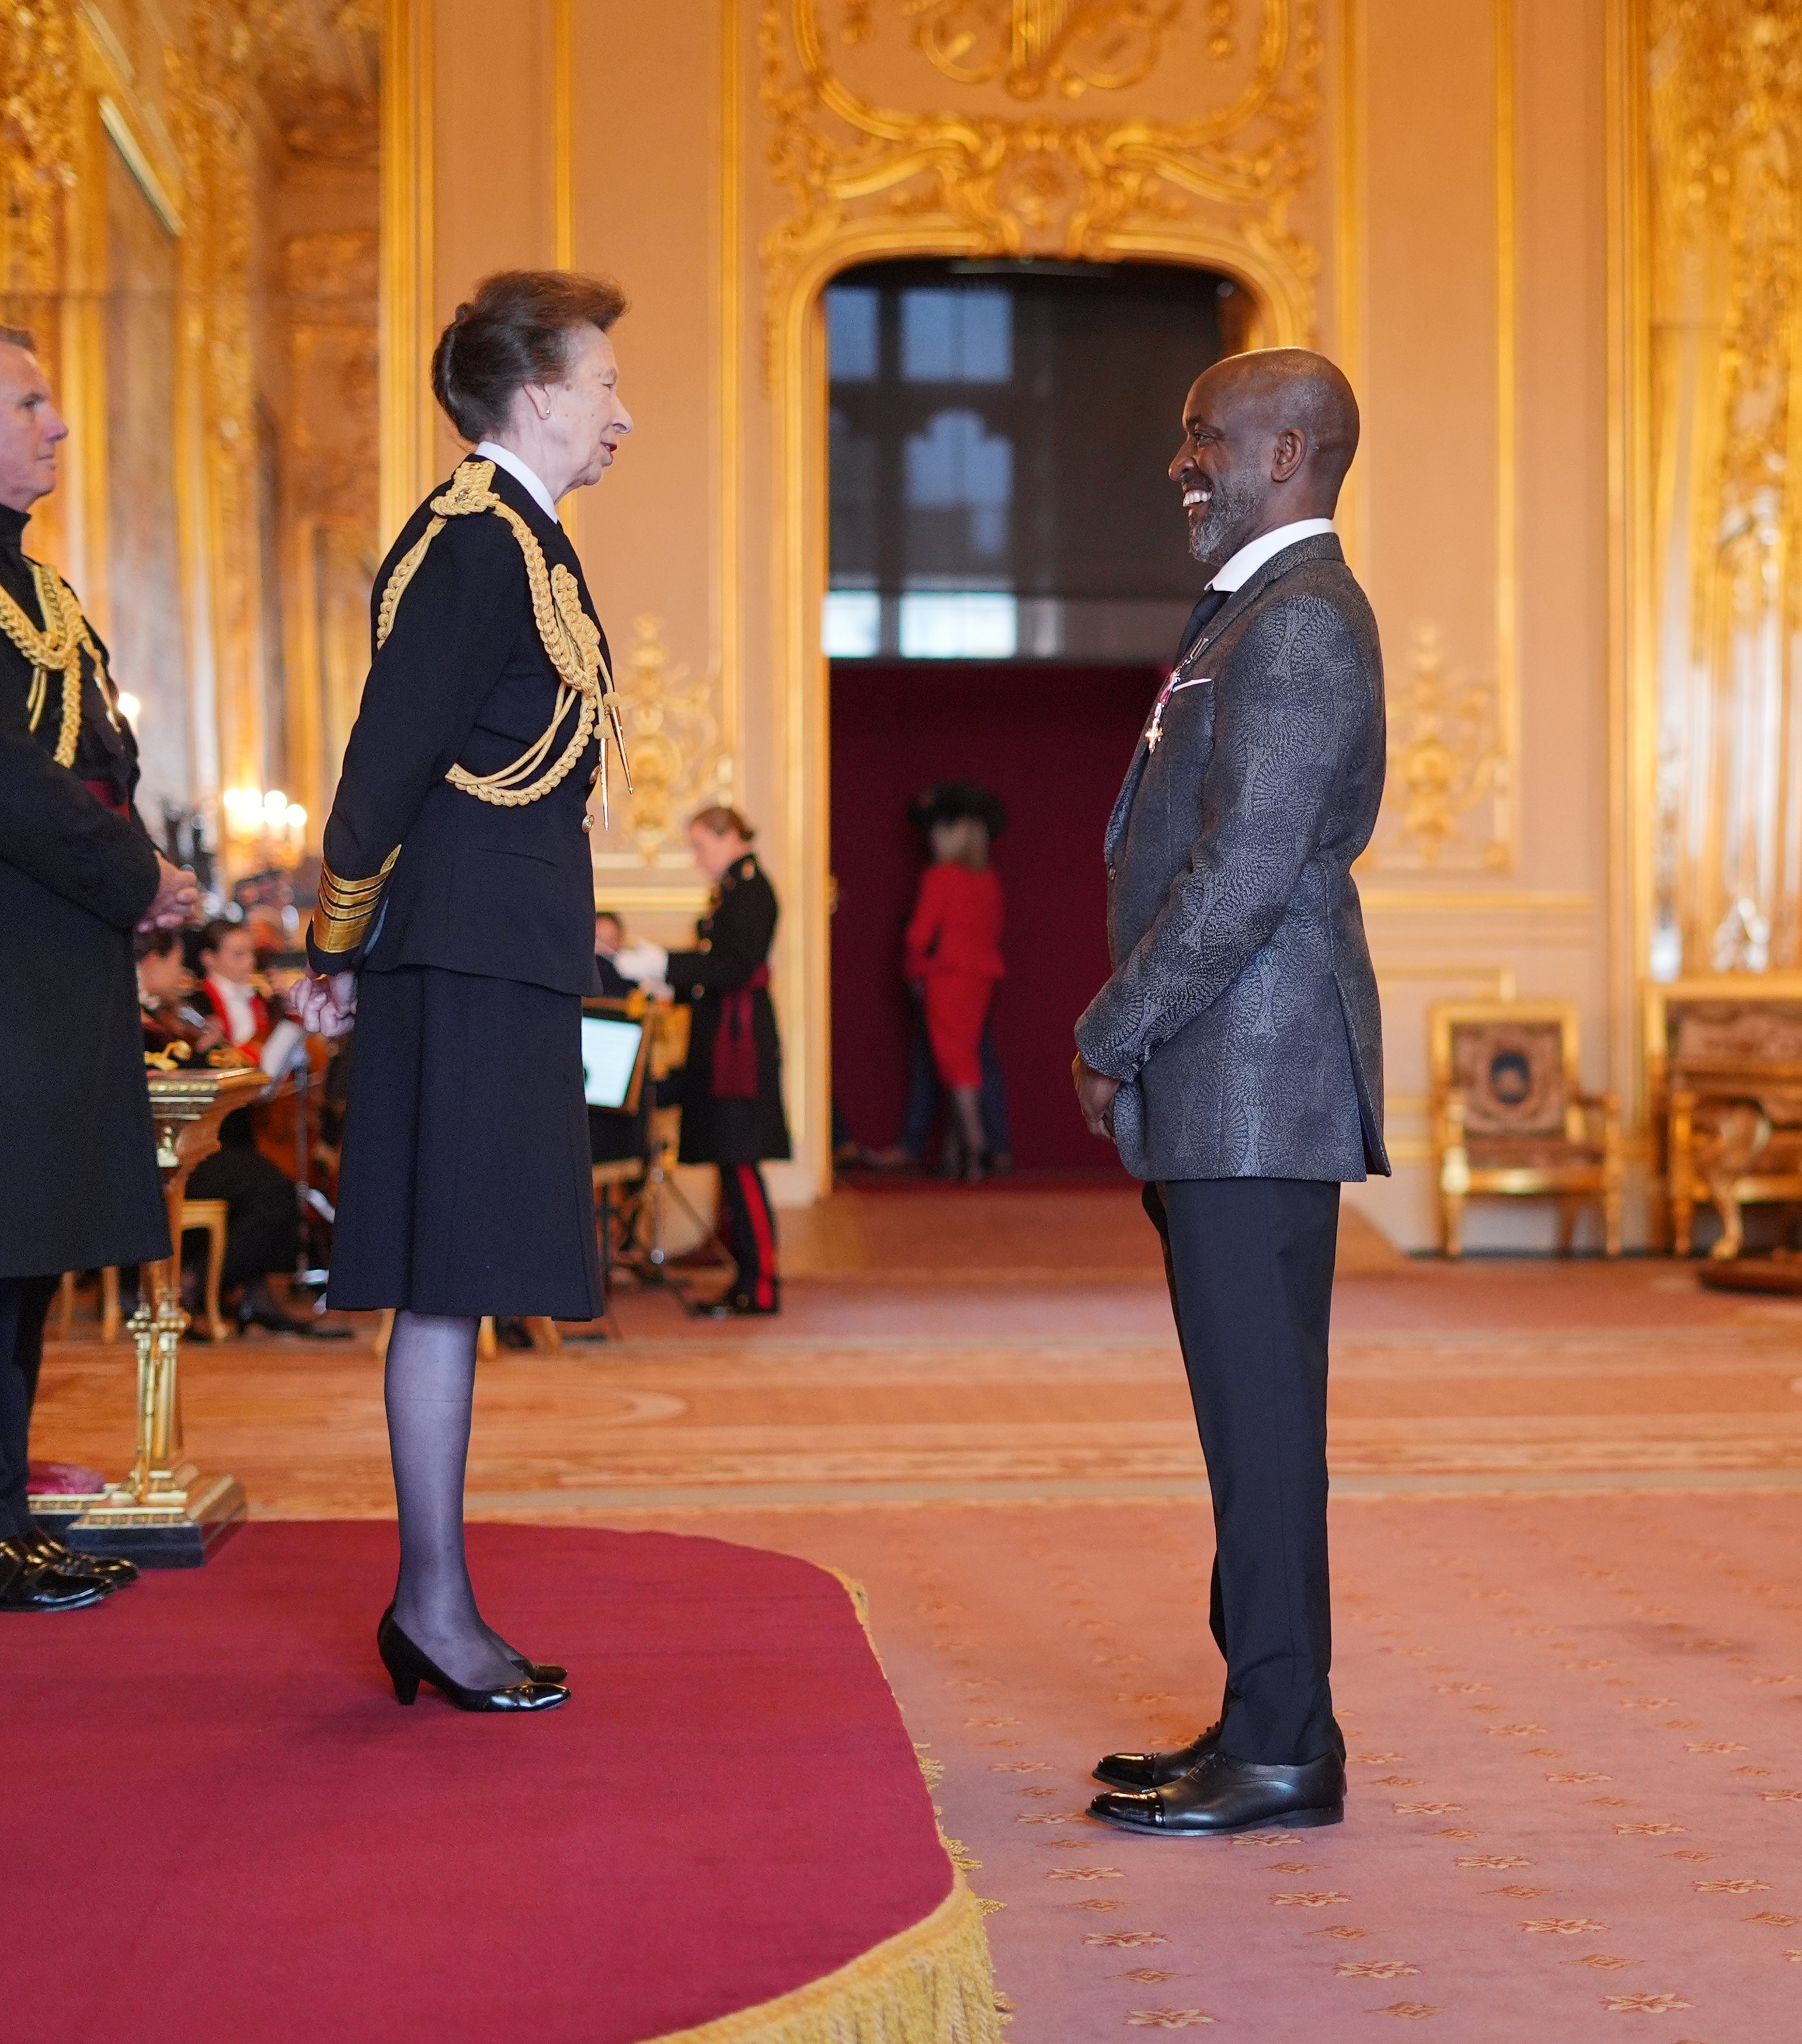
(346, 908)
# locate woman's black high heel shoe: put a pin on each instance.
(408, 1668)
(534, 1671)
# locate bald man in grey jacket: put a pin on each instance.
(1235, 1054)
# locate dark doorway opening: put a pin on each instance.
(1008, 576)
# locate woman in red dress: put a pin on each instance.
(954, 959)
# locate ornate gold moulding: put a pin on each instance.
(165, 1514)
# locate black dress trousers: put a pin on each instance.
(464, 1186)
(1250, 1262)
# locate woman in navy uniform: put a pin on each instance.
(455, 923)
(731, 1086)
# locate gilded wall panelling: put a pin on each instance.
(864, 177)
(1351, 206)
(1724, 102)
(409, 228)
(211, 93)
(1451, 799)
(1447, 803)
(673, 736)
(329, 498)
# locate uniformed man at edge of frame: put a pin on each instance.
(455, 923)
(79, 1183)
(731, 1086)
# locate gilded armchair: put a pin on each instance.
(1510, 1119)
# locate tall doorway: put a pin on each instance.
(1008, 574)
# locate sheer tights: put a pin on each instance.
(429, 1386)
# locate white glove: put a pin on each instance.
(641, 962)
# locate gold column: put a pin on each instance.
(407, 230)
(166, 1514)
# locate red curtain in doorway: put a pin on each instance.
(1053, 743)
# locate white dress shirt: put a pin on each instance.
(1253, 555)
(526, 477)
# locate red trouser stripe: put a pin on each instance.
(763, 1232)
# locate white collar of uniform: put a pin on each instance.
(526, 477)
(1253, 555)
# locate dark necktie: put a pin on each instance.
(1201, 617)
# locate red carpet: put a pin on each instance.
(261, 1845)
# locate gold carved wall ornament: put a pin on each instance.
(1038, 46)
(863, 175)
(40, 111)
(672, 729)
(1447, 806)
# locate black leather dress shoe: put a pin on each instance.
(1220, 1795)
(28, 1582)
(1156, 1770)
(111, 1568)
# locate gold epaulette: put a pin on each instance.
(345, 909)
(568, 634)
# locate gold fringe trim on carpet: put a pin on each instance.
(930, 1984)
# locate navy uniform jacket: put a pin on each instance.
(732, 942)
(1242, 1015)
(79, 1182)
(464, 679)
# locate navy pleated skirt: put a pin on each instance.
(464, 1185)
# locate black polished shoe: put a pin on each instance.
(1220, 1795)
(113, 1570)
(1156, 1770)
(28, 1582)
(408, 1668)
(731, 1305)
(534, 1671)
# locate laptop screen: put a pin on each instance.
(610, 1051)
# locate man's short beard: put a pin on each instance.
(1231, 513)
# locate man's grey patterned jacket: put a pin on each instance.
(1242, 1016)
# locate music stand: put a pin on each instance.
(643, 1215)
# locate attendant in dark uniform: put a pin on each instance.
(455, 919)
(732, 1087)
(80, 1185)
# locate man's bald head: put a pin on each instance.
(1267, 439)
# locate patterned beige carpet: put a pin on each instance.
(1573, 1715)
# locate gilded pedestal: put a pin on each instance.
(166, 1514)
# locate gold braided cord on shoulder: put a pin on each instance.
(55, 650)
(568, 634)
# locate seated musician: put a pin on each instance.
(165, 997)
(609, 938)
(229, 988)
